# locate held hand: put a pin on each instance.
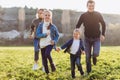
(83, 52)
(48, 33)
(57, 49)
(102, 38)
(52, 42)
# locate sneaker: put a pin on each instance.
(43, 69)
(94, 60)
(73, 76)
(82, 73)
(53, 67)
(35, 67)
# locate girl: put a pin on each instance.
(48, 34)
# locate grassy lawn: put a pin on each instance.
(16, 64)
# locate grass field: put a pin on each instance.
(16, 64)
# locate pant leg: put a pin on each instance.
(36, 55)
(72, 62)
(78, 63)
(96, 47)
(44, 59)
(48, 55)
(36, 49)
(43, 55)
(36, 44)
(88, 47)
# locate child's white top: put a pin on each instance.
(45, 41)
(75, 46)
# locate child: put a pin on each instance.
(75, 47)
(48, 34)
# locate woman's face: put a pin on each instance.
(47, 16)
(40, 14)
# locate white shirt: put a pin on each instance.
(45, 41)
(75, 46)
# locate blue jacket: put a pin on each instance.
(54, 34)
(68, 44)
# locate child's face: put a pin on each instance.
(76, 35)
(47, 16)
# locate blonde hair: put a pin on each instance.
(76, 30)
(50, 14)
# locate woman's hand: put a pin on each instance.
(52, 42)
(48, 33)
(57, 49)
(83, 52)
(31, 36)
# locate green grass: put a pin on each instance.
(16, 64)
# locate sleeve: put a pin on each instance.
(39, 33)
(80, 21)
(82, 45)
(103, 25)
(66, 44)
(56, 38)
(32, 27)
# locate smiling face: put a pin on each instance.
(76, 34)
(40, 13)
(91, 6)
(47, 16)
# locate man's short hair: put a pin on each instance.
(90, 1)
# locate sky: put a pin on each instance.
(103, 6)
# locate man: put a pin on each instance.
(33, 27)
(93, 36)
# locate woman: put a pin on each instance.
(34, 25)
(48, 34)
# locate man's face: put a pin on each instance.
(90, 7)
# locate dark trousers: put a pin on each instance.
(91, 43)
(45, 53)
(75, 60)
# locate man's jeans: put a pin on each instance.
(91, 44)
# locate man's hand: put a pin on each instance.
(102, 38)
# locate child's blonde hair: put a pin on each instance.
(76, 30)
